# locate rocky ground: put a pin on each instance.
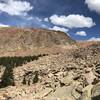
(47, 65)
(70, 75)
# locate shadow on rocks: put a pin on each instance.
(96, 97)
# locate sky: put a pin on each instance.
(80, 19)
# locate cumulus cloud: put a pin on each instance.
(94, 39)
(93, 5)
(81, 33)
(46, 19)
(56, 28)
(15, 7)
(3, 25)
(72, 21)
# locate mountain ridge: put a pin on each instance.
(29, 38)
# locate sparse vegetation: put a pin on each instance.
(10, 63)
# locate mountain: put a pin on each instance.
(40, 64)
(20, 38)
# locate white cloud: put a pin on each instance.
(14, 7)
(29, 18)
(46, 19)
(3, 25)
(81, 33)
(56, 28)
(94, 39)
(39, 19)
(93, 5)
(72, 21)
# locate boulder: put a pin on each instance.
(96, 92)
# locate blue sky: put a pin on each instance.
(79, 18)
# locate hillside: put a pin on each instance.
(39, 64)
(18, 38)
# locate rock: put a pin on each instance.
(67, 80)
(62, 93)
(88, 89)
(86, 95)
(89, 75)
(43, 93)
(96, 92)
(50, 75)
(59, 74)
(30, 78)
(87, 70)
(79, 88)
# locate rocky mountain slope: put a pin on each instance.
(59, 69)
(17, 38)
